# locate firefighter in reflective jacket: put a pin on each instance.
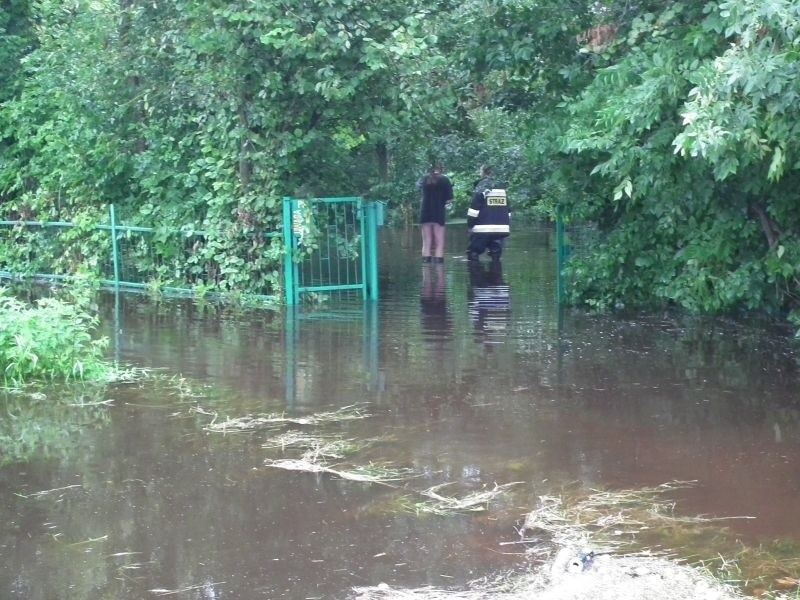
(488, 218)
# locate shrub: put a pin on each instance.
(49, 341)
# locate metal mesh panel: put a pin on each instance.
(331, 246)
(142, 259)
(580, 239)
(334, 262)
(572, 240)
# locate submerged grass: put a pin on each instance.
(567, 528)
(644, 520)
(593, 551)
(770, 571)
(318, 450)
(628, 518)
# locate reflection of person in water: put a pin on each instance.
(489, 301)
(436, 318)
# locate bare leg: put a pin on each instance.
(427, 237)
(438, 239)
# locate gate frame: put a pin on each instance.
(368, 214)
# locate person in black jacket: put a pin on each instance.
(437, 194)
(488, 218)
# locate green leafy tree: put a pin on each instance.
(742, 118)
(16, 40)
(674, 234)
(206, 113)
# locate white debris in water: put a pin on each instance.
(579, 575)
(608, 577)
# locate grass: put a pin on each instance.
(49, 341)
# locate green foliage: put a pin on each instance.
(50, 341)
(205, 114)
(702, 234)
(743, 111)
(16, 40)
(671, 126)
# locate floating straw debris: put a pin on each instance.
(448, 505)
(317, 447)
(369, 474)
(165, 592)
(252, 423)
(618, 578)
(48, 492)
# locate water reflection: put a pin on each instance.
(150, 500)
(436, 320)
(489, 301)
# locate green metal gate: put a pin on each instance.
(331, 246)
(573, 241)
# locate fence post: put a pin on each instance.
(288, 251)
(114, 245)
(372, 249)
(363, 217)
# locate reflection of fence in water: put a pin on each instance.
(322, 353)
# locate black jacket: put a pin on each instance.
(489, 212)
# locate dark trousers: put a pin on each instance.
(492, 243)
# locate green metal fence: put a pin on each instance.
(572, 240)
(330, 245)
(126, 256)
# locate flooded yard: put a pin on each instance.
(470, 377)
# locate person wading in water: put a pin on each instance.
(488, 218)
(437, 194)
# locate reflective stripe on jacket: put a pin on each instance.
(489, 212)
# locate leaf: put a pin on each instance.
(776, 165)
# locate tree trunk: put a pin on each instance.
(768, 226)
(382, 154)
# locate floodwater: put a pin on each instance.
(468, 377)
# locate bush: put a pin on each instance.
(49, 341)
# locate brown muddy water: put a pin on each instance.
(473, 378)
